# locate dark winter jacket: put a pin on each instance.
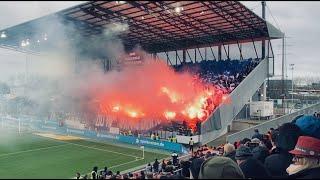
(253, 168)
(257, 135)
(260, 153)
(231, 155)
(313, 173)
(286, 140)
(276, 164)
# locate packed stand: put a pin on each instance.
(291, 151)
(225, 74)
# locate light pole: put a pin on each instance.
(292, 67)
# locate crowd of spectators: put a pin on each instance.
(225, 74)
(290, 151)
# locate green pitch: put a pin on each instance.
(31, 156)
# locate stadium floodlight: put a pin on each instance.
(178, 9)
(3, 35)
(38, 41)
(23, 44)
(120, 2)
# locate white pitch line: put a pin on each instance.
(124, 163)
(31, 150)
(102, 150)
(90, 147)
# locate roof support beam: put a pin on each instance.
(213, 53)
(200, 54)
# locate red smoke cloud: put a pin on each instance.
(140, 97)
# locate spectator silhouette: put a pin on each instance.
(280, 158)
(220, 168)
(257, 135)
(251, 167)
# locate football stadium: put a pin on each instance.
(153, 90)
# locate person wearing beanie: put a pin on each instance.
(309, 125)
(229, 151)
(306, 160)
(251, 167)
(255, 140)
(285, 141)
(260, 153)
(243, 153)
(244, 141)
(220, 168)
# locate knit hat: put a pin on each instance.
(243, 152)
(309, 125)
(307, 146)
(245, 140)
(255, 140)
(220, 168)
(260, 153)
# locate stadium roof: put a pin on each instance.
(157, 26)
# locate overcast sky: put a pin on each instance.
(299, 20)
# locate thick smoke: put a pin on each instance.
(66, 79)
(147, 95)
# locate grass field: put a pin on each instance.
(29, 155)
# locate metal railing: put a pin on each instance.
(264, 127)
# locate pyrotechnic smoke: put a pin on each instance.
(137, 97)
(150, 94)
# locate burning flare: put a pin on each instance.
(140, 97)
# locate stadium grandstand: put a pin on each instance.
(188, 69)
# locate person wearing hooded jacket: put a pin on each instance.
(251, 167)
(260, 153)
(280, 159)
(220, 168)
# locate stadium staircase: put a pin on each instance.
(217, 124)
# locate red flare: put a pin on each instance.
(143, 96)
